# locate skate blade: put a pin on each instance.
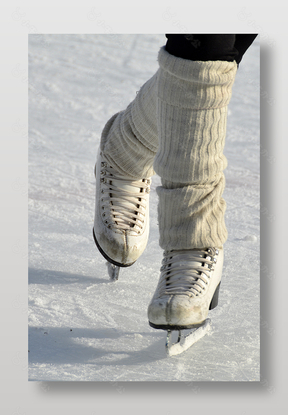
(113, 271)
(184, 342)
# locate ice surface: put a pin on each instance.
(83, 326)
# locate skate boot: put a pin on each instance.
(121, 224)
(188, 288)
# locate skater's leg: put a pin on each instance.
(124, 166)
(192, 112)
(192, 115)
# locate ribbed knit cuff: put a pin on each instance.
(192, 216)
(211, 80)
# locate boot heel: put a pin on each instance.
(214, 301)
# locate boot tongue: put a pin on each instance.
(184, 261)
(128, 200)
(121, 181)
(125, 186)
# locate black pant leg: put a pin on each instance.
(205, 47)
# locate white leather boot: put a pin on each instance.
(188, 288)
(121, 224)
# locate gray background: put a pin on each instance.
(18, 397)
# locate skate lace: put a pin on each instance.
(186, 271)
(123, 200)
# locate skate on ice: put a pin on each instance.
(188, 288)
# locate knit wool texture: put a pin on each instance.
(130, 139)
(192, 113)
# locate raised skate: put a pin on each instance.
(121, 224)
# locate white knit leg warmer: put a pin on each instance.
(129, 139)
(192, 113)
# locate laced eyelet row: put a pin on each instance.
(198, 276)
(134, 216)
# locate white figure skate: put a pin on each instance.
(187, 289)
(121, 224)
